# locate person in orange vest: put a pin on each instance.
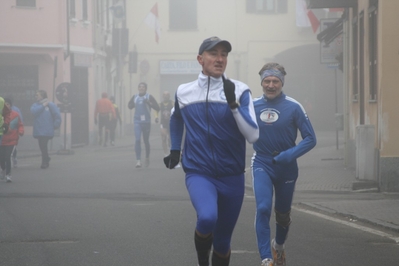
(103, 113)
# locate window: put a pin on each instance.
(26, 3)
(267, 6)
(183, 14)
(72, 9)
(84, 10)
(373, 71)
(361, 68)
(355, 63)
(21, 82)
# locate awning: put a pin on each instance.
(331, 3)
(328, 35)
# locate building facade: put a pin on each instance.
(371, 66)
(44, 44)
(260, 31)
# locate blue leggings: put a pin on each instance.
(217, 202)
(266, 177)
(142, 129)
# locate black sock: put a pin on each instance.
(203, 247)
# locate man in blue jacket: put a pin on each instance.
(274, 162)
(218, 117)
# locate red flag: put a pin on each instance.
(152, 20)
(314, 21)
(336, 9)
(305, 17)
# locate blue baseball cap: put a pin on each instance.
(211, 42)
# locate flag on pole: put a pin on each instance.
(152, 20)
(305, 17)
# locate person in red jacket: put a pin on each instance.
(10, 140)
(104, 112)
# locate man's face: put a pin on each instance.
(142, 89)
(166, 96)
(214, 61)
(272, 87)
(38, 96)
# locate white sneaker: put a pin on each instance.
(8, 178)
(267, 262)
(138, 164)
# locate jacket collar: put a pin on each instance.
(214, 83)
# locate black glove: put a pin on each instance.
(156, 120)
(5, 128)
(172, 159)
(95, 122)
(229, 90)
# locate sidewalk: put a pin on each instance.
(323, 170)
(320, 171)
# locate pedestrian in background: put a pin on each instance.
(143, 102)
(165, 109)
(104, 112)
(218, 117)
(14, 153)
(47, 118)
(274, 163)
(10, 141)
(4, 118)
(114, 121)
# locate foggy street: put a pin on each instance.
(95, 208)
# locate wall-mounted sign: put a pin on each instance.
(329, 52)
(179, 67)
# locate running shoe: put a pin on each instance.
(267, 262)
(278, 255)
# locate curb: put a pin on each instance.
(349, 217)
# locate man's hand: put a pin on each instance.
(172, 159)
(95, 121)
(156, 120)
(229, 90)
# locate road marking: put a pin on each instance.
(357, 226)
(243, 252)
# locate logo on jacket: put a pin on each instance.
(269, 116)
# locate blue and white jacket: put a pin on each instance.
(279, 121)
(215, 135)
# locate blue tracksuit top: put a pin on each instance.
(279, 121)
(215, 135)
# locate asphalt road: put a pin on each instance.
(95, 208)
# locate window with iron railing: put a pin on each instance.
(373, 50)
(355, 62)
(183, 15)
(267, 6)
(26, 3)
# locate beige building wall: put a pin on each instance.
(255, 39)
(379, 162)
